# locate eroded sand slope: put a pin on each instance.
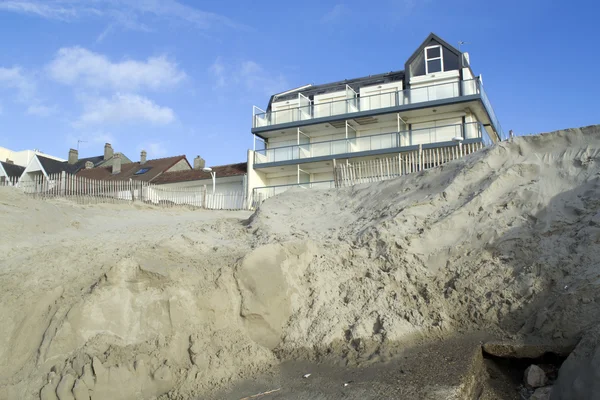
(121, 302)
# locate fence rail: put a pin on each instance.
(89, 191)
(404, 163)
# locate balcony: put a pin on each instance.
(430, 137)
(355, 104)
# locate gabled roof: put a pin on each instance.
(128, 171)
(220, 171)
(432, 37)
(54, 167)
(12, 170)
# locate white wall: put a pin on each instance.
(223, 185)
(23, 157)
(445, 130)
(284, 111)
(379, 96)
(329, 104)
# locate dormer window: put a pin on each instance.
(434, 60)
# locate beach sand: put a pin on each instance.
(393, 286)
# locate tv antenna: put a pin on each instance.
(460, 43)
(80, 141)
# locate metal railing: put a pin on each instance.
(365, 103)
(260, 194)
(491, 113)
(472, 130)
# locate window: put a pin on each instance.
(434, 61)
(142, 171)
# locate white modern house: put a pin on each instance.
(23, 157)
(436, 101)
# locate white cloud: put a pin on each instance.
(14, 78)
(41, 110)
(218, 71)
(336, 13)
(52, 10)
(25, 87)
(247, 74)
(154, 149)
(123, 108)
(79, 66)
(124, 13)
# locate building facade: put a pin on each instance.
(436, 101)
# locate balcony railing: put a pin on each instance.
(260, 194)
(366, 103)
(474, 130)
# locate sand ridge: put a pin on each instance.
(123, 302)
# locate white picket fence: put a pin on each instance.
(89, 191)
(404, 163)
(8, 181)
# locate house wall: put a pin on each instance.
(181, 165)
(254, 178)
(380, 96)
(223, 185)
(32, 170)
(284, 111)
(24, 157)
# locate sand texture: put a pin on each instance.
(135, 302)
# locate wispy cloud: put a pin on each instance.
(79, 66)
(155, 149)
(123, 108)
(126, 14)
(14, 78)
(336, 13)
(217, 69)
(248, 75)
(25, 88)
(41, 110)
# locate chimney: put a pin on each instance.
(89, 165)
(199, 163)
(116, 165)
(108, 151)
(143, 157)
(73, 156)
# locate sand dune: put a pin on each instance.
(127, 302)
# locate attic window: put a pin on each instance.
(434, 60)
(142, 171)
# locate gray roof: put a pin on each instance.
(12, 170)
(53, 166)
(355, 84)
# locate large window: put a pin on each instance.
(434, 61)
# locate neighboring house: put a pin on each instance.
(143, 170)
(436, 101)
(44, 166)
(22, 158)
(229, 178)
(104, 160)
(10, 173)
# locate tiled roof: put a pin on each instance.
(221, 171)
(155, 168)
(12, 170)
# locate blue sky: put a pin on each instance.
(180, 76)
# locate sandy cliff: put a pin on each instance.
(122, 302)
